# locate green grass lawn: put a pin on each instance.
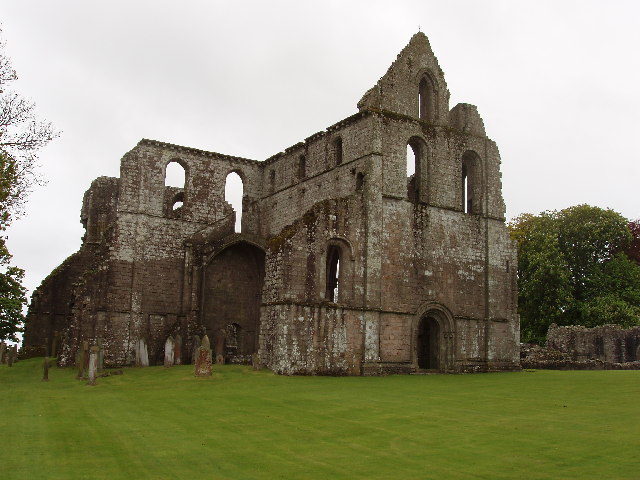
(158, 423)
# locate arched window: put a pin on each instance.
(233, 192)
(471, 183)
(427, 99)
(174, 175)
(359, 181)
(415, 170)
(337, 150)
(333, 273)
(178, 201)
(302, 167)
(272, 180)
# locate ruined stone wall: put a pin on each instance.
(410, 249)
(607, 343)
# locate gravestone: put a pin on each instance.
(45, 369)
(203, 359)
(11, 356)
(220, 349)
(177, 350)
(100, 354)
(3, 351)
(168, 352)
(142, 354)
(94, 353)
(255, 361)
(194, 349)
(85, 349)
(80, 354)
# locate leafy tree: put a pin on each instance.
(21, 137)
(573, 269)
(633, 250)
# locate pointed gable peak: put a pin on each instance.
(398, 89)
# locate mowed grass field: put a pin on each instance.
(158, 423)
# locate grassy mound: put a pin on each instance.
(157, 423)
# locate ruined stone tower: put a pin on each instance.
(345, 264)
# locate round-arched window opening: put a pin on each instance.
(233, 193)
(175, 175)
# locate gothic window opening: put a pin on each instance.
(333, 274)
(359, 181)
(178, 202)
(302, 167)
(470, 184)
(427, 99)
(414, 170)
(272, 180)
(337, 148)
(233, 193)
(175, 175)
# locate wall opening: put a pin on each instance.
(175, 175)
(333, 274)
(302, 167)
(359, 181)
(177, 202)
(337, 150)
(428, 344)
(232, 295)
(414, 155)
(427, 99)
(471, 184)
(233, 193)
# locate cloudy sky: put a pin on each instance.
(557, 83)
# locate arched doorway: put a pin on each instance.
(428, 344)
(232, 296)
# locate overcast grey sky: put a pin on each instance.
(556, 82)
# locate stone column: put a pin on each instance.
(94, 353)
(203, 359)
(168, 352)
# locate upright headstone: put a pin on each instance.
(85, 349)
(203, 359)
(94, 353)
(177, 350)
(168, 352)
(220, 348)
(3, 351)
(12, 355)
(80, 354)
(100, 345)
(255, 361)
(142, 354)
(194, 349)
(45, 369)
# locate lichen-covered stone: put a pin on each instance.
(344, 265)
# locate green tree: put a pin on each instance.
(573, 269)
(21, 137)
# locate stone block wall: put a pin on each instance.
(425, 270)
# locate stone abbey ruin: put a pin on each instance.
(344, 265)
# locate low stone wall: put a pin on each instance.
(608, 347)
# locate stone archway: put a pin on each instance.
(231, 299)
(428, 344)
(433, 339)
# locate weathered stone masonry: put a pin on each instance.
(343, 265)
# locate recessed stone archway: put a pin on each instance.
(433, 338)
